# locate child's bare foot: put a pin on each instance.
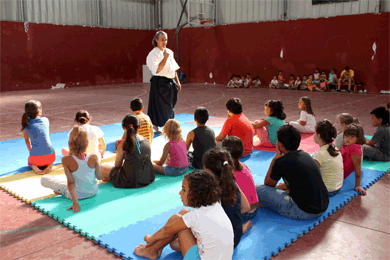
(48, 169)
(56, 192)
(156, 129)
(144, 251)
(246, 226)
(37, 170)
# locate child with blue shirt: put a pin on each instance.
(267, 128)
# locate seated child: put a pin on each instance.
(146, 125)
(311, 85)
(36, 135)
(267, 128)
(342, 120)
(303, 195)
(242, 81)
(378, 148)
(307, 121)
(81, 170)
(256, 82)
(304, 83)
(238, 82)
(297, 83)
(231, 82)
(218, 162)
(316, 76)
(238, 125)
(291, 81)
(96, 143)
(323, 83)
(328, 158)
(244, 178)
(352, 154)
(248, 81)
(274, 82)
(202, 138)
(204, 231)
(133, 167)
(332, 77)
(280, 79)
(177, 163)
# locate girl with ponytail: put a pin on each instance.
(133, 166)
(328, 158)
(36, 135)
(266, 129)
(81, 170)
(96, 144)
(219, 162)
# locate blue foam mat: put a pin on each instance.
(270, 233)
(14, 152)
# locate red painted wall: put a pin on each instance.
(51, 54)
(78, 56)
(308, 43)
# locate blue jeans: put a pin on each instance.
(173, 171)
(279, 201)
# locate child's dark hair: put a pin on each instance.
(333, 69)
(201, 115)
(235, 147)
(308, 108)
(381, 113)
(298, 76)
(304, 76)
(31, 110)
(355, 130)
(280, 70)
(323, 71)
(328, 133)
(275, 75)
(131, 124)
(291, 75)
(316, 69)
(234, 105)
(310, 74)
(276, 107)
(136, 104)
(220, 163)
(248, 74)
(346, 68)
(289, 136)
(82, 117)
(233, 76)
(204, 189)
(238, 76)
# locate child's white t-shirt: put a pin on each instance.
(94, 133)
(309, 119)
(213, 231)
(274, 81)
(297, 82)
(332, 169)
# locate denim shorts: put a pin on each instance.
(248, 216)
(173, 171)
(279, 201)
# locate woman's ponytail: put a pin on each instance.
(31, 110)
(131, 124)
(25, 119)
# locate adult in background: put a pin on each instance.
(164, 84)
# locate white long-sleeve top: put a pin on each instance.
(154, 58)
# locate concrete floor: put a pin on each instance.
(359, 230)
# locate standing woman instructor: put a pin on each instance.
(165, 84)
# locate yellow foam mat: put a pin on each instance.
(27, 185)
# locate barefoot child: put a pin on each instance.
(328, 158)
(244, 178)
(219, 162)
(36, 135)
(96, 143)
(81, 170)
(177, 164)
(267, 128)
(205, 232)
(352, 154)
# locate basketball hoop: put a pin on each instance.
(206, 23)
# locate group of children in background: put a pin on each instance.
(312, 82)
(222, 192)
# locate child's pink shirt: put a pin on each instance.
(346, 152)
(178, 154)
(245, 181)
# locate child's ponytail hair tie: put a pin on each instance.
(131, 125)
(225, 163)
